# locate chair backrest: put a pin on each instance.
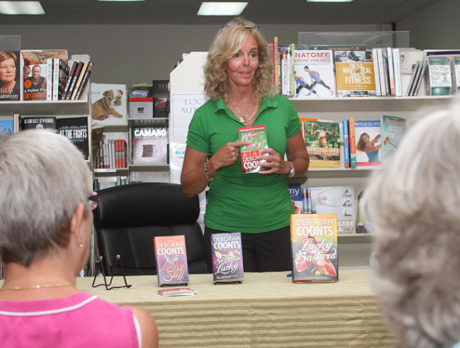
(129, 216)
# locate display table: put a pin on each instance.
(266, 310)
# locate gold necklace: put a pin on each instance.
(38, 286)
(245, 117)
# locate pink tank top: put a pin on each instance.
(80, 320)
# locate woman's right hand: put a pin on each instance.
(227, 154)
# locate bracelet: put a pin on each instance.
(206, 171)
(292, 171)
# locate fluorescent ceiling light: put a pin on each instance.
(21, 8)
(120, 0)
(329, 0)
(221, 8)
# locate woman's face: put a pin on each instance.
(242, 66)
(7, 70)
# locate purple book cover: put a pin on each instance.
(227, 257)
(171, 260)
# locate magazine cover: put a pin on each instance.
(314, 248)
(109, 105)
(314, 73)
(6, 128)
(171, 260)
(368, 143)
(37, 73)
(149, 145)
(322, 139)
(339, 200)
(9, 75)
(393, 129)
(258, 138)
(227, 257)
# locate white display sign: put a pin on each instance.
(182, 108)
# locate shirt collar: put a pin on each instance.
(266, 102)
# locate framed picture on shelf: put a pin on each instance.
(109, 105)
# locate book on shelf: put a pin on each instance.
(338, 200)
(375, 62)
(37, 122)
(419, 79)
(352, 141)
(408, 58)
(140, 98)
(392, 131)
(257, 135)
(76, 130)
(9, 70)
(160, 98)
(227, 257)
(37, 74)
(314, 73)
(297, 199)
(78, 80)
(314, 248)
(346, 144)
(109, 105)
(397, 71)
(103, 182)
(149, 144)
(72, 72)
(60, 77)
(322, 139)
(84, 80)
(383, 72)
(456, 71)
(111, 152)
(391, 71)
(6, 128)
(368, 142)
(171, 260)
(439, 75)
(354, 74)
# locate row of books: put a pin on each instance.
(74, 128)
(352, 143)
(111, 154)
(100, 183)
(302, 71)
(45, 75)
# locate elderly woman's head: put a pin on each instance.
(43, 177)
(413, 204)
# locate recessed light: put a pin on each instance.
(329, 0)
(221, 8)
(21, 8)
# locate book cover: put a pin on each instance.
(314, 73)
(258, 138)
(408, 58)
(109, 105)
(314, 248)
(9, 75)
(368, 143)
(393, 129)
(160, 98)
(171, 260)
(439, 74)
(38, 122)
(346, 144)
(76, 130)
(6, 128)
(227, 257)
(339, 200)
(84, 81)
(354, 74)
(352, 141)
(73, 79)
(78, 80)
(70, 77)
(36, 73)
(149, 144)
(60, 77)
(322, 139)
(295, 191)
(397, 71)
(456, 70)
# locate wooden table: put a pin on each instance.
(266, 310)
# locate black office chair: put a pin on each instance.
(129, 216)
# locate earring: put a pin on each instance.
(81, 245)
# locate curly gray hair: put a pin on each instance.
(413, 204)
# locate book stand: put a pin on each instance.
(113, 269)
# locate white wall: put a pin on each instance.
(436, 26)
(139, 53)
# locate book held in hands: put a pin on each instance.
(171, 260)
(227, 257)
(258, 137)
(314, 248)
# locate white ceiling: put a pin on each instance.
(184, 12)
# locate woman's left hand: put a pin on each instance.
(274, 164)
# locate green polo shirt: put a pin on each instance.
(249, 203)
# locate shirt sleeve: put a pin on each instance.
(197, 137)
(293, 119)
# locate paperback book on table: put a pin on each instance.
(171, 260)
(314, 248)
(258, 137)
(227, 257)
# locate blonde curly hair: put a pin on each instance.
(228, 41)
(412, 203)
